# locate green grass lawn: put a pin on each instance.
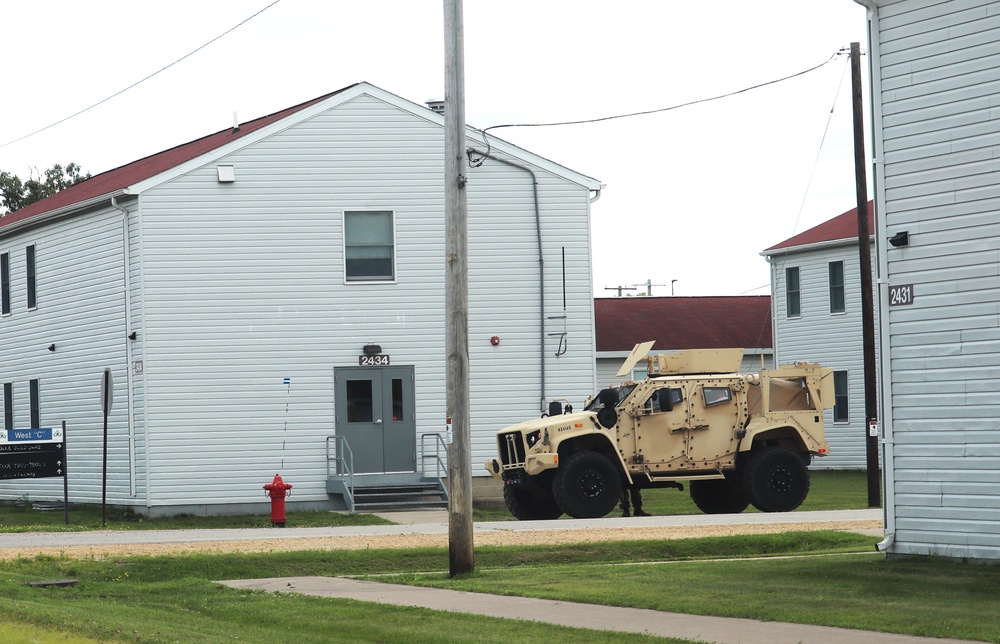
(22, 518)
(923, 597)
(826, 578)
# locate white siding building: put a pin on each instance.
(935, 69)
(815, 278)
(263, 289)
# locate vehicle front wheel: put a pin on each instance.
(587, 485)
(776, 479)
(720, 496)
(530, 502)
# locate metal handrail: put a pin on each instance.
(342, 466)
(440, 466)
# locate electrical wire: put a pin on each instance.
(139, 82)
(478, 162)
(777, 271)
(822, 140)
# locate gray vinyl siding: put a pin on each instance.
(243, 285)
(833, 340)
(232, 287)
(504, 298)
(77, 255)
(939, 69)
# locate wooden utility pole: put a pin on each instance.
(867, 294)
(460, 552)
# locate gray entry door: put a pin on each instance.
(375, 415)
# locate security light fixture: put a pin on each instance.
(900, 239)
(372, 349)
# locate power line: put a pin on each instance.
(819, 150)
(654, 111)
(672, 107)
(139, 82)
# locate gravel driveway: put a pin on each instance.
(435, 534)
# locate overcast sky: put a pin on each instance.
(693, 194)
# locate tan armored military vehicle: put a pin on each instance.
(738, 439)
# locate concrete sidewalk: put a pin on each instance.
(724, 630)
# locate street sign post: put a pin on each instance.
(107, 398)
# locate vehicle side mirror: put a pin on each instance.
(555, 408)
(661, 401)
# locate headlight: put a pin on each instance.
(533, 437)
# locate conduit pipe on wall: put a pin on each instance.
(541, 267)
(878, 182)
(126, 258)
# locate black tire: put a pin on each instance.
(776, 479)
(587, 485)
(530, 502)
(720, 496)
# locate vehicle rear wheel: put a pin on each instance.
(720, 496)
(530, 502)
(776, 479)
(587, 485)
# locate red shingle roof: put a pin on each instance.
(122, 177)
(843, 226)
(683, 322)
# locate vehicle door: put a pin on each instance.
(710, 438)
(661, 419)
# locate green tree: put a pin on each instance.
(16, 194)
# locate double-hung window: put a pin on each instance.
(5, 284)
(793, 307)
(369, 247)
(8, 406)
(36, 420)
(840, 397)
(837, 302)
(29, 263)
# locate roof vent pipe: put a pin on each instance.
(435, 105)
(236, 123)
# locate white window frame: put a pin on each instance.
(35, 403)
(842, 286)
(5, 283)
(838, 394)
(31, 276)
(797, 291)
(369, 281)
(8, 406)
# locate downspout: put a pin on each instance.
(127, 260)
(878, 180)
(541, 267)
(775, 360)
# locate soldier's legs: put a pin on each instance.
(637, 502)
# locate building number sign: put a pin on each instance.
(374, 361)
(901, 294)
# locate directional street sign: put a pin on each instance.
(41, 435)
(31, 460)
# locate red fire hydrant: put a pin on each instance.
(278, 490)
